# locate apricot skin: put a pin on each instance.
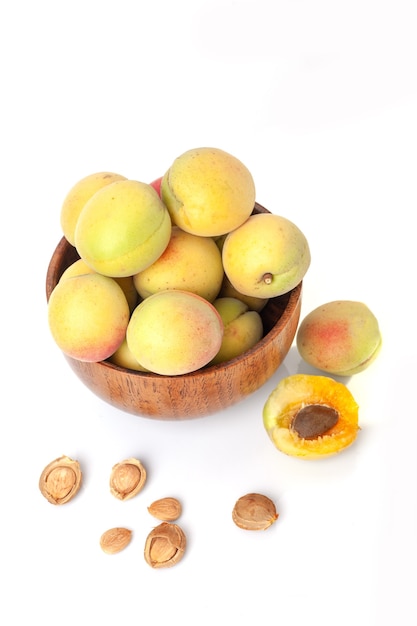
(341, 337)
(174, 332)
(294, 393)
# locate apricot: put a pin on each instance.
(189, 262)
(88, 316)
(242, 328)
(208, 192)
(265, 257)
(341, 337)
(80, 267)
(123, 228)
(311, 417)
(77, 197)
(174, 332)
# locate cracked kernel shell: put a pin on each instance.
(127, 478)
(296, 392)
(165, 545)
(60, 480)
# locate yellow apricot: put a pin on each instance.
(208, 192)
(77, 197)
(189, 262)
(123, 228)
(80, 267)
(265, 257)
(341, 337)
(242, 328)
(88, 316)
(174, 332)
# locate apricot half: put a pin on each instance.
(340, 337)
(311, 417)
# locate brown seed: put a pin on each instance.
(254, 511)
(115, 539)
(166, 509)
(165, 545)
(314, 420)
(60, 480)
(127, 478)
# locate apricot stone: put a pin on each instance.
(311, 417)
(88, 316)
(341, 337)
(265, 257)
(174, 332)
(208, 192)
(123, 228)
(189, 262)
(77, 197)
(242, 328)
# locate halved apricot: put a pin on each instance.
(311, 416)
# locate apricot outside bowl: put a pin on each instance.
(199, 393)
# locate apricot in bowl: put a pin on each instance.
(195, 394)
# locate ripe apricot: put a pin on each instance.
(77, 197)
(208, 192)
(88, 316)
(123, 228)
(311, 417)
(341, 337)
(174, 332)
(265, 257)
(189, 262)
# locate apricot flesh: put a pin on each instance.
(208, 192)
(174, 332)
(311, 417)
(341, 337)
(88, 316)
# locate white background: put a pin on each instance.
(318, 98)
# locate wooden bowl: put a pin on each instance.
(199, 393)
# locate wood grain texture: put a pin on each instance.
(199, 393)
